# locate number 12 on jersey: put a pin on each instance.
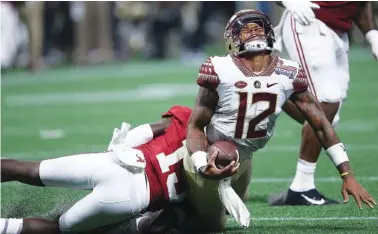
(242, 111)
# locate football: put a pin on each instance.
(227, 152)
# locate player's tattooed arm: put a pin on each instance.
(206, 102)
(315, 116)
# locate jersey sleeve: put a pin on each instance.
(300, 81)
(181, 113)
(207, 76)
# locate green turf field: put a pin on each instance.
(67, 110)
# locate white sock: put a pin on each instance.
(304, 176)
(11, 226)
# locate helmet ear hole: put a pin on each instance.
(229, 47)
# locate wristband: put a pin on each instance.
(346, 173)
(199, 159)
(337, 154)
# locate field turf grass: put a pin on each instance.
(74, 109)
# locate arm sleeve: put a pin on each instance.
(139, 136)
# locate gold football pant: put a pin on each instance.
(203, 194)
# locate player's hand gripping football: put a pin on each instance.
(211, 171)
(352, 187)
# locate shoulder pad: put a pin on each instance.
(300, 81)
(207, 77)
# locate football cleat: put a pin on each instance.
(306, 198)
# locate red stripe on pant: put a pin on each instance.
(301, 56)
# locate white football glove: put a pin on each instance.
(119, 136)
(302, 10)
(372, 38)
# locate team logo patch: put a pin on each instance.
(240, 84)
(257, 84)
(286, 71)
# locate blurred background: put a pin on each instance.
(73, 71)
(38, 35)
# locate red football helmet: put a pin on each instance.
(236, 45)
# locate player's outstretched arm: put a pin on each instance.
(368, 27)
(311, 110)
(196, 141)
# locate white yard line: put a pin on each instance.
(295, 148)
(112, 72)
(146, 92)
(99, 148)
(156, 92)
(317, 179)
(358, 125)
(95, 148)
(308, 219)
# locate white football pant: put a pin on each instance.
(117, 194)
(323, 55)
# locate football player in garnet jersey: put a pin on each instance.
(239, 99)
(316, 35)
(124, 181)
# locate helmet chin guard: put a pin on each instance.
(236, 46)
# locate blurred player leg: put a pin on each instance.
(105, 44)
(34, 14)
(321, 53)
(81, 32)
(9, 37)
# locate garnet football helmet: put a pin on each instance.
(236, 45)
